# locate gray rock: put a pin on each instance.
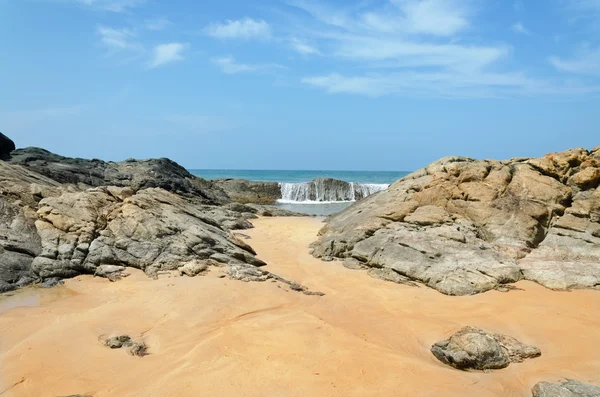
(273, 210)
(111, 272)
(117, 342)
(570, 388)
(243, 191)
(153, 230)
(473, 348)
(135, 174)
(464, 226)
(247, 273)
(51, 282)
(193, 268)
(6, 146)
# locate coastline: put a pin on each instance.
(213, 336)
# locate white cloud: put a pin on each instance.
(109, 5)
(431, 17)
(303, 48)
(246, 28)
(586, 61)
(157, 24)
(118, 39)
(163, 54)
(520, 28)
(229, 65)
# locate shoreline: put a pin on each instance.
(214, 336)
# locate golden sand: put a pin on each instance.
(217, 337)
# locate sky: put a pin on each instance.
(300, 84)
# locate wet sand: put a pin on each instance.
(217, 337)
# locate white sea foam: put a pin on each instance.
(327, 191)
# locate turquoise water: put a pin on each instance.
(282, 176)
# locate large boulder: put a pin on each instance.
(150, 229)
(473, 348)
(464, 226)
(243, 191)
(6, 146)
(135, 174)
(570, 388)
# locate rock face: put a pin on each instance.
(243, 191)
(570, 388)
(473, 348)
(135, 174)
(6, 146)
(152, 230)
(464, 226)
(61, 217)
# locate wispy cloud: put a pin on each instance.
(164, 54)
(117, 39)
(157, 24)
(108, 5)
(585, 61)
(229, 65)
(520, 28)
(303, 48)
(246, 28)
(410, 47)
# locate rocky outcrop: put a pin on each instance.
(61, 217)
(243, 191)
(570, 388)
(151, 230)
(464, 226)
(6, 146)
(473, 348)
(134, 174)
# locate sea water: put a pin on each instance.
(301, 194)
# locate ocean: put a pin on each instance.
(301, 194)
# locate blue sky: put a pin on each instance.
(300, 84)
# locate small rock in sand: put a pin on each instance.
(570, 388)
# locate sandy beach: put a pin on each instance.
(210, 336)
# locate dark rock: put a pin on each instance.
(6, 287)
(138, 349)
(273, 210)
(243, 191)
(111, 272)
(135, 174)
(464, 226)
(6, 146)
(473, 348)
(117, 342)
(570, 388)
(52, 282)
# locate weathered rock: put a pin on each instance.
(193, 268)
(134, 348)
(52, 282)
(111, 272)
(152, 230)
(6, 146)
(570, 388)
(135, 174)
(242, 272)
(473, 348)
(463, 226)
(243, 191)
(273, 210)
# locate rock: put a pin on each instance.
(247, 273)
(570, 388)
(273, 210)
(6, 146)
(52, 282)
(464, 226)
(390, 275)
(111, 272)
(193, 268)
(6, 287)
(135, 174)
(243, 191)
(473, 348)
(117, 342)
(152, 230)
(133, 348)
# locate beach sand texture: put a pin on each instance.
(209, 336)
